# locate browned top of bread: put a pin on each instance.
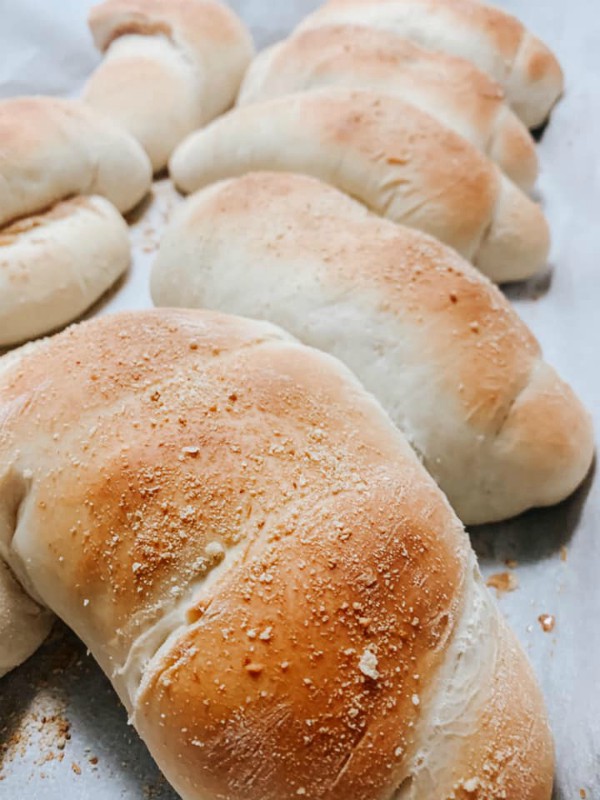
(279, 592)
(504, 29)
(432, 338)
(396, 159)
(450, 88)
(190, 21)
(379, 53)
(495, 41)
(416, 279)
(197, 436)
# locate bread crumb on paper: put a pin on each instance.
(547, 622)
(503, 582)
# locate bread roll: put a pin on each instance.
(170, 66)
(450, 89)
(53, 266)
(437, 344)
(278, 591)
(493, 40)
(52, 149)
(394, 158)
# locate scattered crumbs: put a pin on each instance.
(254, 668)
(398, 751)
(563, 557)
(301, 790)
(265, 636)
(44, 727)
(368, 664)
(582, 794)
(214, 550)
(76, 768)
(503, 582)
(93, 761)
(547, 622)
(511, 563)
(471, 785)
(474, 326)
(416, 700)
(190, 451)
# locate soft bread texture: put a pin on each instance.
(280, 594)
(24, 624)
(496, 42)
(397, 160)
(54, 265)
(436, 343)
(170, 67)
(52, 149)
(450, 89)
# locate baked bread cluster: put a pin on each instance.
(249, 501)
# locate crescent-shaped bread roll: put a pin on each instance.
(496, 42)
(170, 66)
(397, 160)
(54, 265)
(51, 149)
(437, 344)
(278, 591)
(450, 89)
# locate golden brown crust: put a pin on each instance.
(120, 469)
(202, 440)
(416, 278)
(539, 69)
(190, 21)
(396, 159)
(320, 604)
(152, 458)
(451, 89)
(493, 40)
(449, 167)
(170, 67)
(436, 342)
(235, 442)
(502, 30)
(341, 47)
